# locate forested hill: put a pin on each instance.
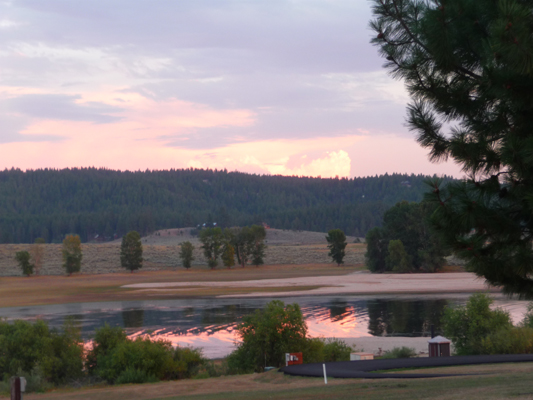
(51, 203)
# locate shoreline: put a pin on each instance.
(356, 283)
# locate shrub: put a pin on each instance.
(467, 326)
(106, 339)
(153, 358)
(188, 361)
(400, 352)
(528, 317)
(516, 340)
(56, 356)
(133, 375)
(336, 350)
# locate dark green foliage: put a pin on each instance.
(336, 350)
(153, 358)
(258, 247)
(248, 243)
(188, 362)
(34, 348)
(72, 254)
(105, 340)
(131, 251)
(93, 201)
(212, 240)
(467, 326)
(415, 244)
(134, 375)
(336, 245)
(397, 259)
(118, 359)
(467, 65)
(186, 254)
(376, 250)
(516, 340)
(228, 255)
(266, 335)
(400, 352)
(23, 258)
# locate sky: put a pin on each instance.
(289, 87)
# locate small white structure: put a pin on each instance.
(361, 356)
(439, 346)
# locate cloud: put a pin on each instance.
(252, 86)
(60, 107)
(332, 165)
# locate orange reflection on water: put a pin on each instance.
(218, 341)
(345, 325)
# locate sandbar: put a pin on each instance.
(357, 283)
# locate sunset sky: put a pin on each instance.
(288, 87)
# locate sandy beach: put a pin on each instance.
(359, 283)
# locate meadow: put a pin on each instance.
(497, 381)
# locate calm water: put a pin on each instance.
(210, 323)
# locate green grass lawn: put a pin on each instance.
(496, 381)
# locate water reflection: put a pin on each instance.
(133, 318)
(211, 323)
(405, 318)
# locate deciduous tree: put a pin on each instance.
(186, 254)
(409, 224)
(212, 240)
(37, 252)
(131, 251)
(258, 233)
(23, 258)
(336, 245)
(72, 254)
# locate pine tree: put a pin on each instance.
(468, 66)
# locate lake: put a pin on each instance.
(210, 323)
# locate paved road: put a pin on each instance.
(363, 369)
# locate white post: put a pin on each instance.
(325, 376)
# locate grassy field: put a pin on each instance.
(161, 252)
(498, 381)
(50, 289)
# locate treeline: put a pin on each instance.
(93, 202)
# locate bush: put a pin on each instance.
(106, 339)
(118, 359)
(336, 350)
(133, 375)
(188, 361)
(55, 356)
(516, 340)
(400, 352)
(153, 358)
(467, 326)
